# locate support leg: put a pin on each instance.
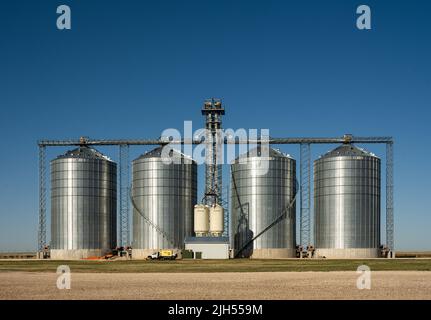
(41, 235)
(390, 195)
(124, 233)
(305, 177)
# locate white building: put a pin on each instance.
(211, 247)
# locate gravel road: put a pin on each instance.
(253, 285)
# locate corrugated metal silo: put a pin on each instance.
(163, 198)
(347, 203)
(83, 204)
(263, 184)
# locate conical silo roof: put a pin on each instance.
(266, 150)
(346, 150)
(84, 152)
(158, 153)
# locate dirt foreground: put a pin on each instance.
(255, 285)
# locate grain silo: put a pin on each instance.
(83, 204)
(347, 203)
(164, 193)
(263, 183)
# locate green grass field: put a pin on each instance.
(237, 265)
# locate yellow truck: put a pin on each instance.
(163, 255)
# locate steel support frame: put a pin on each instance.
(152, 142)
(213, 170)
(124, 223)
(213, 151)
(390, 196)
(305, 189)
(41, 235)
(301, 141)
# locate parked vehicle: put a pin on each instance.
(163, 255)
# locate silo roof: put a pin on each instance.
(348, 150)
(257, 152)
(84, 152)
(157, 153)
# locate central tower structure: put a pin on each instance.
(213, 112)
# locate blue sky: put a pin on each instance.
(130, 69)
